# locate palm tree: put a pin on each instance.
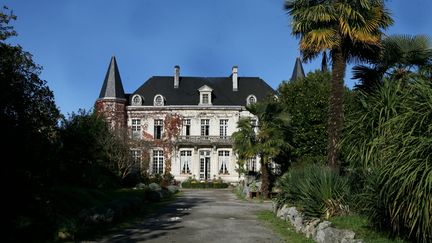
(351, 30)
(245, 140)
(271, 138)
(401, 57)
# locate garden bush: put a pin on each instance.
(198, 184)
(154, 187)
(398, 194)
(316, 190)
(172, 189)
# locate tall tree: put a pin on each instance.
(272, 136)
(28, 127)
(92, 154)
(307, 101)
(350, 30)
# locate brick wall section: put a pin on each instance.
(113, 110)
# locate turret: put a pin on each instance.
(298, 72)
(112, 100)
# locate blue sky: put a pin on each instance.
(74, 40)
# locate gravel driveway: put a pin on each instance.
(201, 216)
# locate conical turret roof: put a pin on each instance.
(298, 71)
(112, 86)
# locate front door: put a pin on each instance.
(205, 165)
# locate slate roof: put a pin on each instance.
(187, 93)
(298, 71)
(112, 86)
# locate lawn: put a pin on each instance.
(281, 227)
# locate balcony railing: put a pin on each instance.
(204, 140)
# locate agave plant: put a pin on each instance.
(317, 190)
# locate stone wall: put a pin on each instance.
(314, 228)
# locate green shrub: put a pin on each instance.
(173, 189)
(154, 187)
(317, 190)
(208, 184)
(364, 126)
(307, 102)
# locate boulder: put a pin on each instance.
(292, 214)
(332, 235)
(323, 225)
(319, 231)
(298, 223)
(310, 228)
(282, 212)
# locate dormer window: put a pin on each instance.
(136, 100)
(158, 100)
(205, 98)
(205, 95)
(251, 99)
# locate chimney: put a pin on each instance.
(235, 78)
(176, 76)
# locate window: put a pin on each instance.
(223, 161)
(158, 128)
(251, 99)
(205, 127)
(136, 156)
(204, 165)
(158, 159)
(275, 168)
(186, 161)
(136, 100)
(251, 164)
(136, 128)
(187, 127)
(158, 100)
(205, 98)
(223, 128)
(205, 95)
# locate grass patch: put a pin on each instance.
(359, 224)
(284, 229)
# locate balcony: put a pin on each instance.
(204, 141)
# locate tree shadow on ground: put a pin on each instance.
(158, 223)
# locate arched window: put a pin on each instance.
(136, 100)
(158, 100)
(251, 99)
